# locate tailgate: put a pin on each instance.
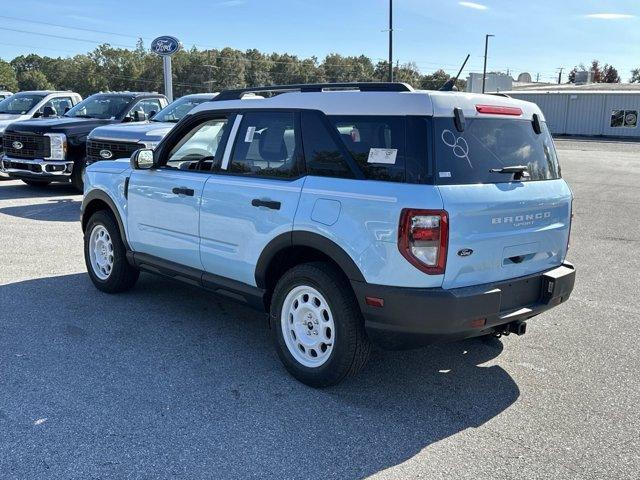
(499, 231)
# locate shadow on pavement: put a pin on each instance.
(16, 189)
(167, 381)
(64, 210)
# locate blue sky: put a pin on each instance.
(534, 36)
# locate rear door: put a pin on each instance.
(500, 227)
(253, 194)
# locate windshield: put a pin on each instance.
(178, 109)
(100, 106)
(492, 143)
(20, 103)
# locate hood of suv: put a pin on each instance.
(67, 125)
(147, 132)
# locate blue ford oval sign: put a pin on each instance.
(165, 45)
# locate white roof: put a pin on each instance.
(353, 102)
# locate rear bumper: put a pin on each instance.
(412, 317)
(36, 169)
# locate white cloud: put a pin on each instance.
(475, 6)
(610, 16)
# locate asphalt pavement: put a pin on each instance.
(166, 381)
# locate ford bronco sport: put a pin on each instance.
(355, 214)
(45, 150)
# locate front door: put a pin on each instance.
(164, 203)
(253, 194)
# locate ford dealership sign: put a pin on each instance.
(165, 45)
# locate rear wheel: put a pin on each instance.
(105, 255)
(36, 183)
(317, 326)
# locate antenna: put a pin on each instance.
(449, 84)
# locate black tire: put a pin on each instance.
(122, 276)
(36, 183)
(351, 348)
(77, 175)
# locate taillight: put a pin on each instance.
(423, 236)
(499, 110)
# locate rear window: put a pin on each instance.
(492, 143)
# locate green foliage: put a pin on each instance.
(196, 71)
(8, 80)
(635, 75)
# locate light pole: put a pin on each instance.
(391, 40)
(484, 69)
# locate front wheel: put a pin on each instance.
(105, 255)
(317, 326)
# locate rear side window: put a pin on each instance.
(323, 156)
(266, 146)
(492, 143)
(376, 143)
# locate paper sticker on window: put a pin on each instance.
(386, 156)
(444, 174)
(250, 133)
(355, 135)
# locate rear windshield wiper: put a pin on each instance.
(518, 171)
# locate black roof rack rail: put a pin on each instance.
(236, 94)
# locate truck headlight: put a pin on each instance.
(58, 146)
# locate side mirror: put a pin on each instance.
(142, 159)
(152, 114)
(139, 116)
(48, 111)
(38, 114)
(66, 109)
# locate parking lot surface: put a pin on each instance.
(166, 381)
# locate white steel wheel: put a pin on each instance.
(307, 326)
(101, 254)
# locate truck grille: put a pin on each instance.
(117, 149)
(31, 145)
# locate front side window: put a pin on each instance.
(265, 146)
(60, 104)
(20, 103)
(491, 144)
(199, 148)
(147, 107)
(178, 109)
(102, 106)
(376, 143)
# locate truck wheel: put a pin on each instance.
(105, 255)
(36, 183)
(317, 327)
(77, 175)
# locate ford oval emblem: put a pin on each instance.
(465, 252)
(17, 145)
(165, 45)
(106, 154)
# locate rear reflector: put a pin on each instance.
(499, 110)
(374, 301)
(478, 323)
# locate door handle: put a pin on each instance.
(272, 204)
(183, 191)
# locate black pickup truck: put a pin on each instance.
(46, 150)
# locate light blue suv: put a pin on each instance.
(355, 214)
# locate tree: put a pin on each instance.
(8, 80)
(435, 80)
(635, 75)
(610, 74)
(34, 80)
(597, 72)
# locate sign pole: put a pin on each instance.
(168, 79)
